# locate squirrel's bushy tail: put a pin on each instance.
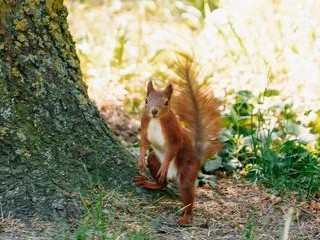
(196, 107)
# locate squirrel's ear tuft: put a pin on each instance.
(150, 87)
(169, 90)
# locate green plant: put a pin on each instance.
(264, 141)
(119, 50)
(105, 215)
(248, 232)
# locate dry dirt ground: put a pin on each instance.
(234, 209)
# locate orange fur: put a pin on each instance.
(197, 108)
(178, 151)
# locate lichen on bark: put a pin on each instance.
(51, 135)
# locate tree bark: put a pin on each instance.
(52, 139)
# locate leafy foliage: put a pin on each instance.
(269, 144)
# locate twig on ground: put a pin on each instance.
(287, 224)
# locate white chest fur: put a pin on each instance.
(157, 140)
(155, 135)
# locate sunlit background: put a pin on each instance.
(245, 45)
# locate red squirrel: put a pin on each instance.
(182, 130)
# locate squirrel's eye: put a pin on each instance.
(146, 100)
(166, 102)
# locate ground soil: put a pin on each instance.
(234, 209)
(237, 209)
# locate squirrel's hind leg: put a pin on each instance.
(187, 190)
(154, 166)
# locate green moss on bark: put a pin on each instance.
(50, 133)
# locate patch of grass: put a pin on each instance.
(252, 229)
(111, 215)
(248, 233)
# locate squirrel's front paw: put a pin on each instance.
(162, 174)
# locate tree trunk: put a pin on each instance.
(52, 139)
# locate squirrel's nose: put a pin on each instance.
(154, 112)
